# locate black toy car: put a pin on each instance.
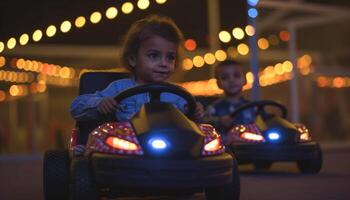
(160, 151)
(272, 137)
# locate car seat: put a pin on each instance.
(91, 82)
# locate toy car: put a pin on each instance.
(160, 151)
(272, 137)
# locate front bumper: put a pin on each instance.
(138, 171)
(275, 152)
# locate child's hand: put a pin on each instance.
(199, 112)
(107, 105)
(226, 121)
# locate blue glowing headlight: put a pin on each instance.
(158, 143)
(273, 136)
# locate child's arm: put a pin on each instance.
(93, 106)
(217, 121)
(84, 107)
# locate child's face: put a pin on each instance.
(231, 80)
(154, 61)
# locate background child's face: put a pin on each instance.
(231, 79)
(155, 60)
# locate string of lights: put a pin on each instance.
(79, 22)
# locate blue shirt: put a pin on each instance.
(84, 107)
(222, 107)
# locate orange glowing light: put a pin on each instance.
(252, 136)
(190, 44)
(322, 81)
(213, 145)
(118, 143)
(338, 82)
(284, 35)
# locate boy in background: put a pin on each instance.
(230, 78)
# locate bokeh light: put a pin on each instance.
(127, 8)
(190, 45)
(111, 13)
(24, 39)
(80, 21)
(224, 36)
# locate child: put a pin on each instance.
(151, 53)
(230, 78)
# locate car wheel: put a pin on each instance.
(262, 165)
(56, 175)
(83, 185)
(229, 191)
(311, 166)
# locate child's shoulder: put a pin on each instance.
(123, 83)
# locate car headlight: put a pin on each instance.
(158, 143)
(118, 143)
(213, 145)
(252, 136)
(304, 132)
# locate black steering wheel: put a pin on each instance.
(260, 105)
(155, 89)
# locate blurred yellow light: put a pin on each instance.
(243, 49)
(161, 1)
(111, 13)
(2, 95)
(224, 36)
(250, 77)
(64, 72)
(269, 71)
(14, 90)
(51, 31)
(20, 63)
(95, 17)
(143, 4)
(127, 8)
(80, 21)
(66, 26)
(279, 69)
(198, 61)
(250, 30)
(263, 43)
(2, 46)
(305, 71)
(23, 40)
(262, 81)
(307, 59)
(41, 87)
(220, 55)
(287, 66)
(238, 33)
(11, 43)
(209, 58)
(2, 61)
(37, 35)
(27, 65)
(187, 64)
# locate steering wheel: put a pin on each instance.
(260, 105)
(155, 89)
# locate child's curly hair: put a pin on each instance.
(143, 29)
